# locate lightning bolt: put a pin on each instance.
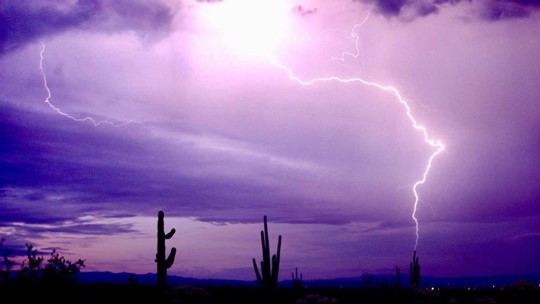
(59, 111)
(437, 145)
(356, 38)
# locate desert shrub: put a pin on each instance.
(5, 264)
(57, 269)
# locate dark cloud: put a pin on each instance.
(49, 161)
(52, 161)
(507, 9)
(391, 7)
(25, 21)
(418, 8)
(92, 229)
(491, 10)
(302, 11)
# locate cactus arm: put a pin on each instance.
(170, 234)
(273, 279)
(259, 278)
(275, 263)
(266, 251)
(266, 240)
(170, 258)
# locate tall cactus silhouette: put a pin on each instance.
(414, 275)
(268, 277)
(163, 263)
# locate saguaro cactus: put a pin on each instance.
(414, 275)
(268, 277)
(162, 263)
(297, 280)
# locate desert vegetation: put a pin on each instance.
(163, 263)
(56, 279)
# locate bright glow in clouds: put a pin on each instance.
(248, 27)
(254, 27)
(226, 136)
(235, 21)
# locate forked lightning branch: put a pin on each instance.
(436, 145)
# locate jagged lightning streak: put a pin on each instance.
(435, 144)
(57, 110)
(355, 36)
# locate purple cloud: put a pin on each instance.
(223, 140)
(27, 21)
(488, 10)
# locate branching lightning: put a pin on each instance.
(435, 144)
(58, 110)
(356, 38)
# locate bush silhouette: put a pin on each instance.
(7, 264)
(57, 268)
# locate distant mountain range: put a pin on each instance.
(151, 278)
(363, 281)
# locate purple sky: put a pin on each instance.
(222, 136)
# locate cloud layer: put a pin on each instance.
(222, 139)
(483, 9)
(25, 21)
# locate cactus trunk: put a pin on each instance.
(268, 276)
(163, 263)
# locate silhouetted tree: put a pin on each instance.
(57, 268)
(268, 277)
(31, 266)
(7, 263)
(414, 274)
(163, 263)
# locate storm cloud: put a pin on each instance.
(490, 10)
(223, 136)
(27, 21)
